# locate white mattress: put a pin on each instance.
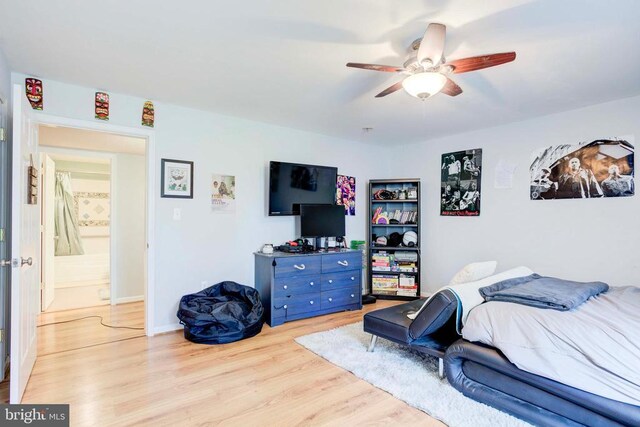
(595, 347)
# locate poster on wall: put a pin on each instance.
(600, 168)
(102, 106)
(346, 193)
(34, 91)
(460, 183)
(223, 193)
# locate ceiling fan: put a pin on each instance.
(427, 70)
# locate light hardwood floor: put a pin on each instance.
(267, 380)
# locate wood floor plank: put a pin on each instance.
(165, 380)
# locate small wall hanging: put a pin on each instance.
(32, 184)
(176, 179)
(223, 193)
(34, 92)
(346, 193)
(148, 114)
(102, 106)
(600, 168)
(460, 183)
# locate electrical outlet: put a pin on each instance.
(177, 214)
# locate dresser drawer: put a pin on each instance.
(341, 262)
(297, 266)
(341, 279)
(282, 307)
(340, 297)
(296, 285)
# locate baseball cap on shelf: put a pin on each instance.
(381, 241)
(410, 238)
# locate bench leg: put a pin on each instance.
(372, 344)
(441, 368)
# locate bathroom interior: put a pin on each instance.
(76, 231)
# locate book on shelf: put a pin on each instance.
(402, 293)
(407, 282)
(384, 284)
(403, 217)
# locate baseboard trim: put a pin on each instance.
(125, 300)
(167, 328)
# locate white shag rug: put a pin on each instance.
(408, 375)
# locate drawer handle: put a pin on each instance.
(343, 263)
(285, 287)
(330, 299)
(299, 267)
(353, 296)
(353, 278)
(330, 281)
(311, 283)
(284, 306)
(311, 302)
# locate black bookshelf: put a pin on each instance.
(401, 195)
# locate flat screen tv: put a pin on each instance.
(294, 184)
(322, 221)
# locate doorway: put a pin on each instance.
(93, 234)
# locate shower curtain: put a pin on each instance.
(68, 240)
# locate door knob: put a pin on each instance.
(28, 261)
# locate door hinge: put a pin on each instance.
(1, 335)
(1, 234)
(1, 134)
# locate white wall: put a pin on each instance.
(575, 239)
(204, 245)
(129, 232)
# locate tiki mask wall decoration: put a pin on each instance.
(34, 92)
(102, 106)
(148, 114)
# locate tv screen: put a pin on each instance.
(294, 184)
(322, 221)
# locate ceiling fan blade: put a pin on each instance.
(451, 88)
(375, 67)
(432, 44)
(389, 90)
(479, 62)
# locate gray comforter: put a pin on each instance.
(595, 347)
(543, 292)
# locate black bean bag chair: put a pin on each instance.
(223, 313)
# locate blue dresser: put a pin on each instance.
(297, 286)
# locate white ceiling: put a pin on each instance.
(283, 62)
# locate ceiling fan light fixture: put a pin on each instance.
(424, 85)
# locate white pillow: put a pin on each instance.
(474, 271)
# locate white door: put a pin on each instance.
(25, 249)
(48, 231)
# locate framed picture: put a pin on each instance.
(176, 179)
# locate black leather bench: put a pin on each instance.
(431, 332)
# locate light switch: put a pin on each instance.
(177, 213)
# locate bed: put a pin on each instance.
(577, 366)
(484, 373)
